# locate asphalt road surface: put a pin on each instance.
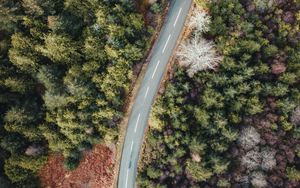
(160, 55)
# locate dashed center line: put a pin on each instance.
(155, 69)
(177, 17)
(131, 147)
(146, 92)
(127, 178)
(137, 122)
(166, 43)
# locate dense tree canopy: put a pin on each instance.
(66, 68)
(235, 126)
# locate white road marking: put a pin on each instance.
(137, 122)
(155, 69)
(131, 146)
(166, 43)
(146, 92)
(177, 17)
(127, 178)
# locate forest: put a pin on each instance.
(229, 115)
(66, 69)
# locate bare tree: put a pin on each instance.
(200, 21)
(251, 160)
(249, 138)
(268, 159)
(295, 118)
(258, 179)
(197, 54)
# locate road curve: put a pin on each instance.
(138, 119)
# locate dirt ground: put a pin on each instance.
(94, 171)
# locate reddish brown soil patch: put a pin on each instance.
(94, 171)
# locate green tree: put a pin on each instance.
(9, 14)
(293, 173)
(197, 171)
(13, 142)
(22, 53)
(60, 49)
(153, 173)
(33, 7)
(19, 84)
(16, 173)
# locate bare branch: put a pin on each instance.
(200, 21)
(198, 54)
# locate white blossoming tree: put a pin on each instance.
(197, 54)
(249, 138)
(200, 21)
(268, 159)
(258, 179)
(251, 160)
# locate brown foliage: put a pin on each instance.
(278, 68)
(94, 171)
(288, 17)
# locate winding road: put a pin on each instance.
(138, 120)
